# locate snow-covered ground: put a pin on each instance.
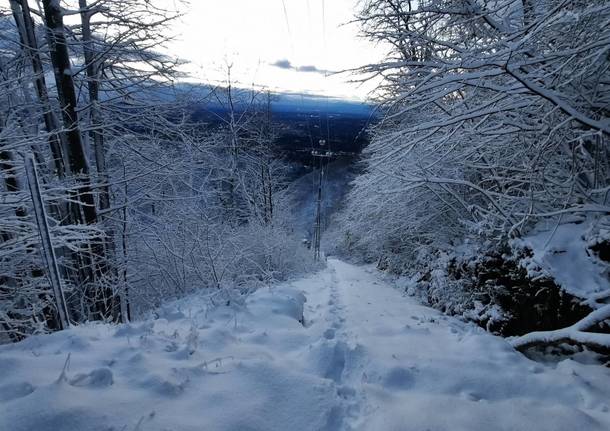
(366, 358)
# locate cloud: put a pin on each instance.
(283, 64)
(309, 68)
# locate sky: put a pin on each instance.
(286, 45)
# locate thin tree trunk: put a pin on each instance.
(13, 185)
(47, 243)
(97, 134)
(27, 33)
(94, 104)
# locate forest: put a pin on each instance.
(182, 255)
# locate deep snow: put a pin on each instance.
(366, 358)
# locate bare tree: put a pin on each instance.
(495, 120)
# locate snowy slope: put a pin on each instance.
(367, 358)
(303, 193)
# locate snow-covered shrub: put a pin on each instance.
(493, 128)
(178, 248)
(226, 260)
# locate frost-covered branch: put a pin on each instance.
(575, 334)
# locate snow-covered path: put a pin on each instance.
(366, 358)
(413, 368)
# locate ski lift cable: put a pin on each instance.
(288, 25)
(325, 50)
(328, 143)
(301, 97)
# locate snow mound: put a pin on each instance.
(563, 252)
(217, 369)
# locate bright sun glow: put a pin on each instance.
(289, 45)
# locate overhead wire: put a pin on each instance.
(286, 20)
(326, 113)
(323, 164)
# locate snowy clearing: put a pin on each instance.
(366, 358)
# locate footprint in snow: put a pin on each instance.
(98, 378)
(399, 378)
(471, 396)
(346, 392)
(13, 391)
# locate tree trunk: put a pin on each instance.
(97, 134)
(94, 106)
(94, 265)
(27, 33)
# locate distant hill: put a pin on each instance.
(212, 97)
(302, 120)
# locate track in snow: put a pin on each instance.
(401, 366)
(366, 358)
